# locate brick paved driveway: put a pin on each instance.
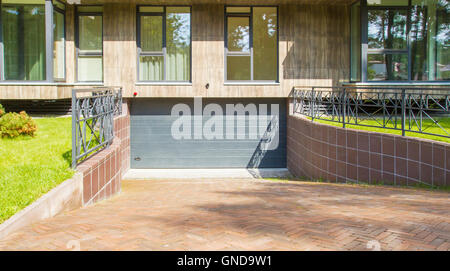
(247, 215)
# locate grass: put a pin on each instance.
(428, 126)
(32, 166)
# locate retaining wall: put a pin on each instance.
(103, 172)
(335, 154)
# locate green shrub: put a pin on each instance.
(2, 110)
(13, 125)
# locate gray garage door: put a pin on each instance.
(160, 138)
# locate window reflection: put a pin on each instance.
(392, 67)
(406, 40)
(23, 29)
(442, 40)
(430, 33)
(387, 29)
(239, 34)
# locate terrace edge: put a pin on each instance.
(335, 154)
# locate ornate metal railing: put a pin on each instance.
(93, 112)
(416, 110)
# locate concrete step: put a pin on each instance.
(238, 173)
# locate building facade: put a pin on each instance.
(165, 52)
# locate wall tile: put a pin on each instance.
(388, 145)
(438, 156)
(375, 143)
(363, 141)
(401, 147)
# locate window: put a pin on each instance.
(430, 40)
(164, 43)
(33, 40)
(355, 41)
(387, 57)
(400, 40)
(59, 41)
(251, 44)
(89, 44)
(24, 47)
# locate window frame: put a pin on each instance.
(63, 12)
(162, 53)
(49, 39)
(365, 51)
(228, 53)
(78, 52)
(389, 51)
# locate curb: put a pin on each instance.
(65, 197)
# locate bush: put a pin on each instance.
(2, 110)
(13, 125)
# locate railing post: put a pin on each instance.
(74, 128)
(294, 104)
(343, 102)
(311, 104)
(403, 111)
(120, 101)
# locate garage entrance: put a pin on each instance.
(208, 133)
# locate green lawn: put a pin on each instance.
(32, 166)
(428, 126)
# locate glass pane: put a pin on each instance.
(59, 4)
(265, 43)
(29, 2)
(418, 37)
(387, 2)
(151, 68)
(387, 67)
(58, 46)
(151, 33)
(239, 34)
(90, 33)
(90, 68)
(238, 68)
(175, 9)
(151, 9)
(356, 42)
(430, 33)
(443, 41)
(89, 8)
(178, 43)
(387, 29)
(24, 42)
(238, 9)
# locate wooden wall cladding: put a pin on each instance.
(313, 50)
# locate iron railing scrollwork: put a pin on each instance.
(93, 112)
(416, 110)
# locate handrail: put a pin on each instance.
(93, 120)
(416, 110)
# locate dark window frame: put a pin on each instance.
(78, 52)
(227, 53)
(162, 53)
(365, 51)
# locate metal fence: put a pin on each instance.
(93, 112)
(416, 110)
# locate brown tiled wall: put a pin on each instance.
(102, 173)
(320, 151)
